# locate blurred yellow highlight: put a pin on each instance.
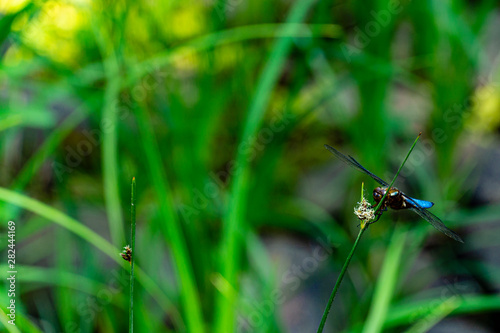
(187, 22)
(12, 6)
(485, 116)
(52, 33)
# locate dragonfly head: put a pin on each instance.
(378, 193)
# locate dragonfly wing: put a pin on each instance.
(352, 162)
(435, 222)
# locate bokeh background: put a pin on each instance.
(220, 109)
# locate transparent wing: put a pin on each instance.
(433, 220)
(352, 162)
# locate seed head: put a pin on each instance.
(127, 253)
(364, 211)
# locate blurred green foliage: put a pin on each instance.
(220, 109)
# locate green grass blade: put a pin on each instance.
(43, 276)
(109, 127)
(50, 145)
(435, 316)
(404, 314)
(62, 219)
(21, 322)
(234, 221)
(237, 34)
(110, 163)
(171, 227)
(386, 284)
(4, 320)
(93, 238)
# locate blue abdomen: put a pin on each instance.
(423, 203)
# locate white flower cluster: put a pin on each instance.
(364, 211)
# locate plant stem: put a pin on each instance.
(362, 229)
(339, 280)
(132, 236)
(397, 173)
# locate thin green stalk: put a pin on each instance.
(339, 279)
(96, 240)
(364, 226)
(132, 236)
(397, 173)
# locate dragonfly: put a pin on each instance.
(396, 199)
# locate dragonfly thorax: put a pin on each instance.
(394, 198)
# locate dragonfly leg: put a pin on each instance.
(378, 217)
(378, 214)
